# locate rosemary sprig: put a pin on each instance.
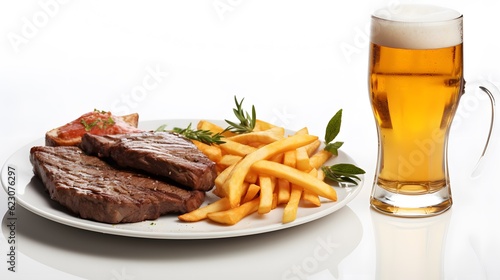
(246, 121)
(204, 136)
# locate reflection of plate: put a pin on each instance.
(31, 195)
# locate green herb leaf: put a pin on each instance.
(87, 126)
(99, 111)
(334, 147)
(162, 128)
(347, 168)
(333, 127)
(343, 173)
(246, 121)
(204, 136)
(100, 123)
(109, 122)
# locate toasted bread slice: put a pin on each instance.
(95, 122)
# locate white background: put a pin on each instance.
(298, 62)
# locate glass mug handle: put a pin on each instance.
(492, 93)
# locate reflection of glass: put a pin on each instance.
(410, 248)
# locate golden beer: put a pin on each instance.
(415, 83)
(414, 95)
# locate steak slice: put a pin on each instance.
(159, 153)
(94, 190)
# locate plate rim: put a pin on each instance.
(84, 224)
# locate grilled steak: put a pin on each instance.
(159, 153)
(95, 190)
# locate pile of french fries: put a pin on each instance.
(261, 170)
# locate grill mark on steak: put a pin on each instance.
(95, 190)
(160, 153)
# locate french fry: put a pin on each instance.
(302, 160)
(275, 201)
(251, 193)
(263, 137)
(319, 158)
(202, 212)
(290, 159)
(309, 196)
(284, 187)
(233, 183)
(313, 147)
(295, 176)
(228, 160)
(207, 125)
(321, 174)
(303, 130)
(234, 215)
(283, 191)
(251, 177)
(262, 125)
(290, 211)
(235, 148)
(218, 192)
(221, 178)
(278, 158)
(266, 194)
(213, 152)
(303, 164)
(262, 169)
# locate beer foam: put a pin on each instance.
(417, 27)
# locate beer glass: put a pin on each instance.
(415, 84)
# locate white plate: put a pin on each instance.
(31, 194)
